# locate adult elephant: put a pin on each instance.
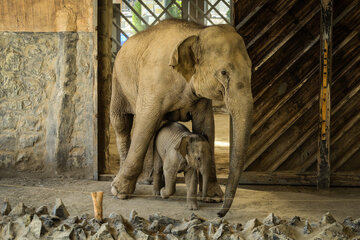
(173, 71)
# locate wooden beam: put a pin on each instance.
(281, 131)
(250, 15)
(278, 16)
(105, 13)
(323, 156)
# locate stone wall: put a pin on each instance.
(46, 101)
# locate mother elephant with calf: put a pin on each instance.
(172, 71)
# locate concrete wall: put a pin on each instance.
(47, 85)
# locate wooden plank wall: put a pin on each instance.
(282, 39)
(46, 15)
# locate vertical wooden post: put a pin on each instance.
(105, 13)
(97, 198)
(326, 23)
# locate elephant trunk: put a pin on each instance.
(241, 113)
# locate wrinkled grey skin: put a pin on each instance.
(172, 71)
(177, 150)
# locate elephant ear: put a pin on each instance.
(183, 57)
(182, 146)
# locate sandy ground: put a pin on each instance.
(250, 202)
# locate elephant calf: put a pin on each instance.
(177, 149)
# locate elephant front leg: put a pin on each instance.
(191, 185)
(170, 173)
(146, 123)
(203, 123)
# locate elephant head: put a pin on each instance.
(216, 64)
(197, 152)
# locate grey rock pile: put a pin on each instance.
(22, 222)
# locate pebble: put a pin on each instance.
(103, 233)
(272, 220)
(327, 219)
(42, 210)
(60, 209)
(6, 208)
(307, 228)
(19, 210)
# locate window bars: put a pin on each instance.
(132, 16)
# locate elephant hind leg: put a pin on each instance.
(122, 124)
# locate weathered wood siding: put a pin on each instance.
(282, 39)
(46, 15)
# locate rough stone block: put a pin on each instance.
(28, 140)
(7, 143)
(8, 122)
(6, 159)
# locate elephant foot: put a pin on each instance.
(192, 205)
(156, 193)
(163, 193)
(122, 187)
(214, 193)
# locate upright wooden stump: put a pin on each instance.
(325, 83)
(97, 198)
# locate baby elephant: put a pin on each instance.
(176, 150)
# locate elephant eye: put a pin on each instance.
(223, 72)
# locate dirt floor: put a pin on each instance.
(250, 202)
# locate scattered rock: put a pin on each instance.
(8, 231)
(85, 216)
(327, 219)
(183, 227)
(163, 220)
(36, 227)
(195, 233)
(211, 230)
(43, 210)
(171, 237)
(307, 228)
(353, 225)
(251, 224)
(236, 227)
(154, 227)
(272, 220)
(140, 235)
(236, 236)
(92, 225)
(219, 232)
(103, 233)
(22, 223)
(72, 220)
(216, 221)
(136, 221)
(79, 234)
(117, 217)
(122, 233)
(63, 232)
(168, 228)
(6, 208)
(19, 210)
(194, 216)
(60, 209)
(26, 219)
